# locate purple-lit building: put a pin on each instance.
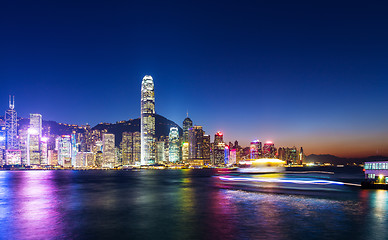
(377, 171)
(269, 150)
(255, 149)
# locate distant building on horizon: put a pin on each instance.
(147, 121)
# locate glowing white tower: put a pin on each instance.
(173, 139)
(147, 121)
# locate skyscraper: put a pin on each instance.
(64, 150)
(206, 147)
(109, 154)
(126, 147)
(33, 139)
(268, 150)
(255, 149)
(187, 124)
(160, 152)
(196, 142)
(218, 149)
(11, 126)
(185, 151)
(147, 121)
(173, 145)
(218, 138)
(136, 148)
(36, 123)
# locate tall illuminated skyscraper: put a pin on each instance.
(173, 148)
(33, 139)
(109, 155)
(187, 124)
(126, 147)
(136, 148)
(64, 150)
(206, 147)
(218, 138)
(11, 126)
(36, 123)
(147, 121)
(196, 142)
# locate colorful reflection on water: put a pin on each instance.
(177, 204)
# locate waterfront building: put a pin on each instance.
(52, 156)
(108, 150)
(2, 143)
(74, 149)
(13, 157)
(79, 161)
(219, 154)
(206, 147)
(301, 156)
(232, 156)
(147, 121)
(185, 151)
(290, 155)
(160, 152)
(187, 124)
(255, 149)
(89, 159)
(269, 150)
(126, 147)
(36, 124)
(218, 138)
(85, 159)
(173, 145)
(377, 171)
(136, 136)
(10, 118)
(43, 151)
(99, 159)
(226, 155)
(64, 150)
(196, 142)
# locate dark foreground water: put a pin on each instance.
(178, 204)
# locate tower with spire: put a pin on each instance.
(11, 126)
(187, 124)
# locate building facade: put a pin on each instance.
(147, 121)
(174, 145)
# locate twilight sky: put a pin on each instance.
(303, 73)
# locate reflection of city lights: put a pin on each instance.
(273, 180)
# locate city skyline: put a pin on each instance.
(250, 74)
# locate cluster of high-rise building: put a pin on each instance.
(33, 145)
